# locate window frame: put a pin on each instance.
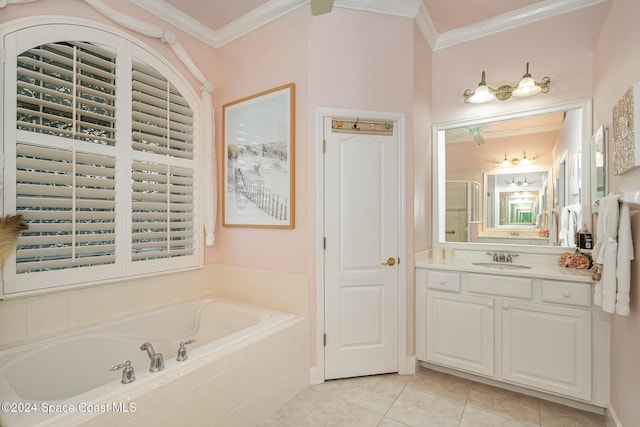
(127, 48)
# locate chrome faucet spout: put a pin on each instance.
(157, 360)
(149, 348)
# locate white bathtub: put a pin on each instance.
(41, 383)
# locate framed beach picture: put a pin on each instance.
(258, 166)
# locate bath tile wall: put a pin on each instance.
(39, 316)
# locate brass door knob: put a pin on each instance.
(391, 261)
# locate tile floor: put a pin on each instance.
(428, 398)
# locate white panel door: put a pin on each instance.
(547, 347)
(361, 230)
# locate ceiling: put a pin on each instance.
(442, 22)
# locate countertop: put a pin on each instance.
(542, 266)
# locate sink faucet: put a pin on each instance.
(157, 360)
(501, 257)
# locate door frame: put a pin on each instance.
(405, 365)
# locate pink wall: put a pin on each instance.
(354, 65)
(560, 48)
(271, 56)
(616, 67)
(421, 169)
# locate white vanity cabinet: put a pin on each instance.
(516, 328)
(460, 331)
(547, 347)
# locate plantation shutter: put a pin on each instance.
(65, 90)
(68, 90)
(101, 162)
(68, 200)
(163, 210)
(162, 121)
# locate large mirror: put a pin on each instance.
(514, 179)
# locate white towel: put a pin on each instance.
(614, 251)
(623, 262)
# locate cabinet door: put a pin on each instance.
(547, 347)
(460, 332)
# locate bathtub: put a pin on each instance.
(65, 379)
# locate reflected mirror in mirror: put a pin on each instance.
(514, 179)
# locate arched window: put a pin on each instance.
(101, 159)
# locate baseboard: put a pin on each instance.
(611, 417)
(315, 376)
(409, 367)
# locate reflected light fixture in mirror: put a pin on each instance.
(527, 86)
(524, 160)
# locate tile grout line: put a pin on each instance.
(404, 386)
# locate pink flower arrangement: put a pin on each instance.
(575, 260)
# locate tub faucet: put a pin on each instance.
(157, 361)
(182, 350)
(127, 372)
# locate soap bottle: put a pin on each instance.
(584, 239)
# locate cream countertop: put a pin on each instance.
(542, 266)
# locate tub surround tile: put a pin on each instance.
(145, 419)
(47, 315)
(53, 313)
(277, 290)
(13, 318)
(182, 410)
(86, 307)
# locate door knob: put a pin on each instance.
(391, 261)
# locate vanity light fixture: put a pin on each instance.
(527, 86)
(524, 160)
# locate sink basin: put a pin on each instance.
(501, 265)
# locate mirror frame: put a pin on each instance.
(438, 180)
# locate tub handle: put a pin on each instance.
(127, 372)
(182, 350)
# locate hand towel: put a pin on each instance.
(614, 252)
(605, 252)
(623, 261)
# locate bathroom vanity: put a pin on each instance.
(529, 323)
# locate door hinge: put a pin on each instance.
(324, 145)
(324, 243)
(398, 260)
(324, 340)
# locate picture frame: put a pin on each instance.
(626, 131)
(258, 134)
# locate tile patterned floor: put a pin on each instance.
(428, 398)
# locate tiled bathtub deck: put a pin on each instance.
(428, 398)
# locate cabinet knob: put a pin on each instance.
(566, 294)
(490, 304)
(506, 305)
(442, 282)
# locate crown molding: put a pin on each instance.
(506, 21)
(426, 26)
(408, 8)
(268, 12)
(274, 9)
